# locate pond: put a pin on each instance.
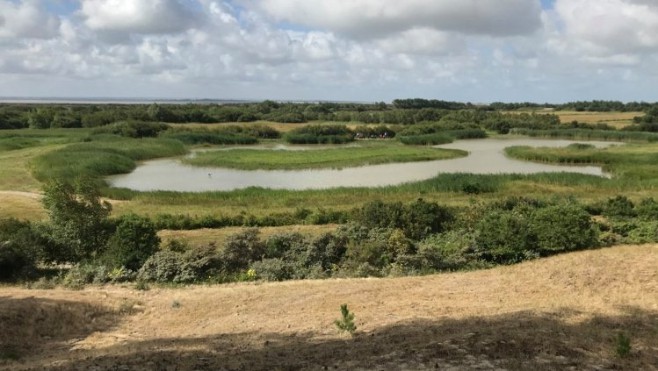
(486, 156)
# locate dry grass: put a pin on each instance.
(201, 237)
(616, 119)
(21, 205)
(280, 127)
(557, 313)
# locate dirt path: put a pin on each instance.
(564, 312)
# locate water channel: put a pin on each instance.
(486, 156)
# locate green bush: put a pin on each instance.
(275, 269)
(19, 249)
(426, 140)
(196, 265)
(241, 249)
(320, 134)
(562, 228)
(133, 129)
(505, 237)
(619, 207)
(134, 240)
(416, 220)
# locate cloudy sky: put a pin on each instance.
(356, 50)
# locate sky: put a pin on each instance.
(476, 51)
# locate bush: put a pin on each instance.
(320, 134)
(416, 220)
(619, 207)
(134, 241)
(191, 266)
(20, 246)
(562, 228)
(133, 129)
(505, 237)
(272, 269)
(241, 249)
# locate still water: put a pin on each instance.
(486, 156)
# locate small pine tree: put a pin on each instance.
(623, 345)
(346, 322)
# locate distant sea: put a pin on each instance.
(95, 100)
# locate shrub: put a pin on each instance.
(564, 227)
(19, 248)
(195, 265)
(134, 240)
(505, 237)
(272, 269)
(241, 249)
(619, 207)
(133, 129)
(416, 220)
(451, 250)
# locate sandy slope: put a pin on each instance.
(558, 313)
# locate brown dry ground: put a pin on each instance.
(563, 312)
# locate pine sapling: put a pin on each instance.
(346, 322)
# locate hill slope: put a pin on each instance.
(557, 313)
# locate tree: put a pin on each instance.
(78, 219)
(133, 242)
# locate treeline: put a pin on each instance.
(378, 239)
(401, 111)
(580, 106)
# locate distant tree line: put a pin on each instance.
(400, 112)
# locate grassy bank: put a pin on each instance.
(365, 154)
(100, 156)
(631, 163)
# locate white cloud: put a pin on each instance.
(475, 50)
(610, 27)
(137, 16)
(26, 19)
(364, 19)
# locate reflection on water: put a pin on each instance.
(486, 156)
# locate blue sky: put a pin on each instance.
(365, 50)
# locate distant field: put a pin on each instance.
(616, 119)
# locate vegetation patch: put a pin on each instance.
(367, 154)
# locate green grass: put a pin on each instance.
(100, 156)
(338, 157)
(636, 163)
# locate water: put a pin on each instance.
(486, 156)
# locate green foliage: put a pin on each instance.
(346, 321)
(273, 269)
(416, 220)
(623, 345)
(427, 139)
(134, 240)
(78, 219)
(562, 228)
(133, 129)
(320, 134)
(195, 265)
(241, 249)
(517, 231)
(19, 249)
(619, 207)
(101, 156)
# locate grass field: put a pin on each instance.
(564, 312)
(615, 119)
(366, 153)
